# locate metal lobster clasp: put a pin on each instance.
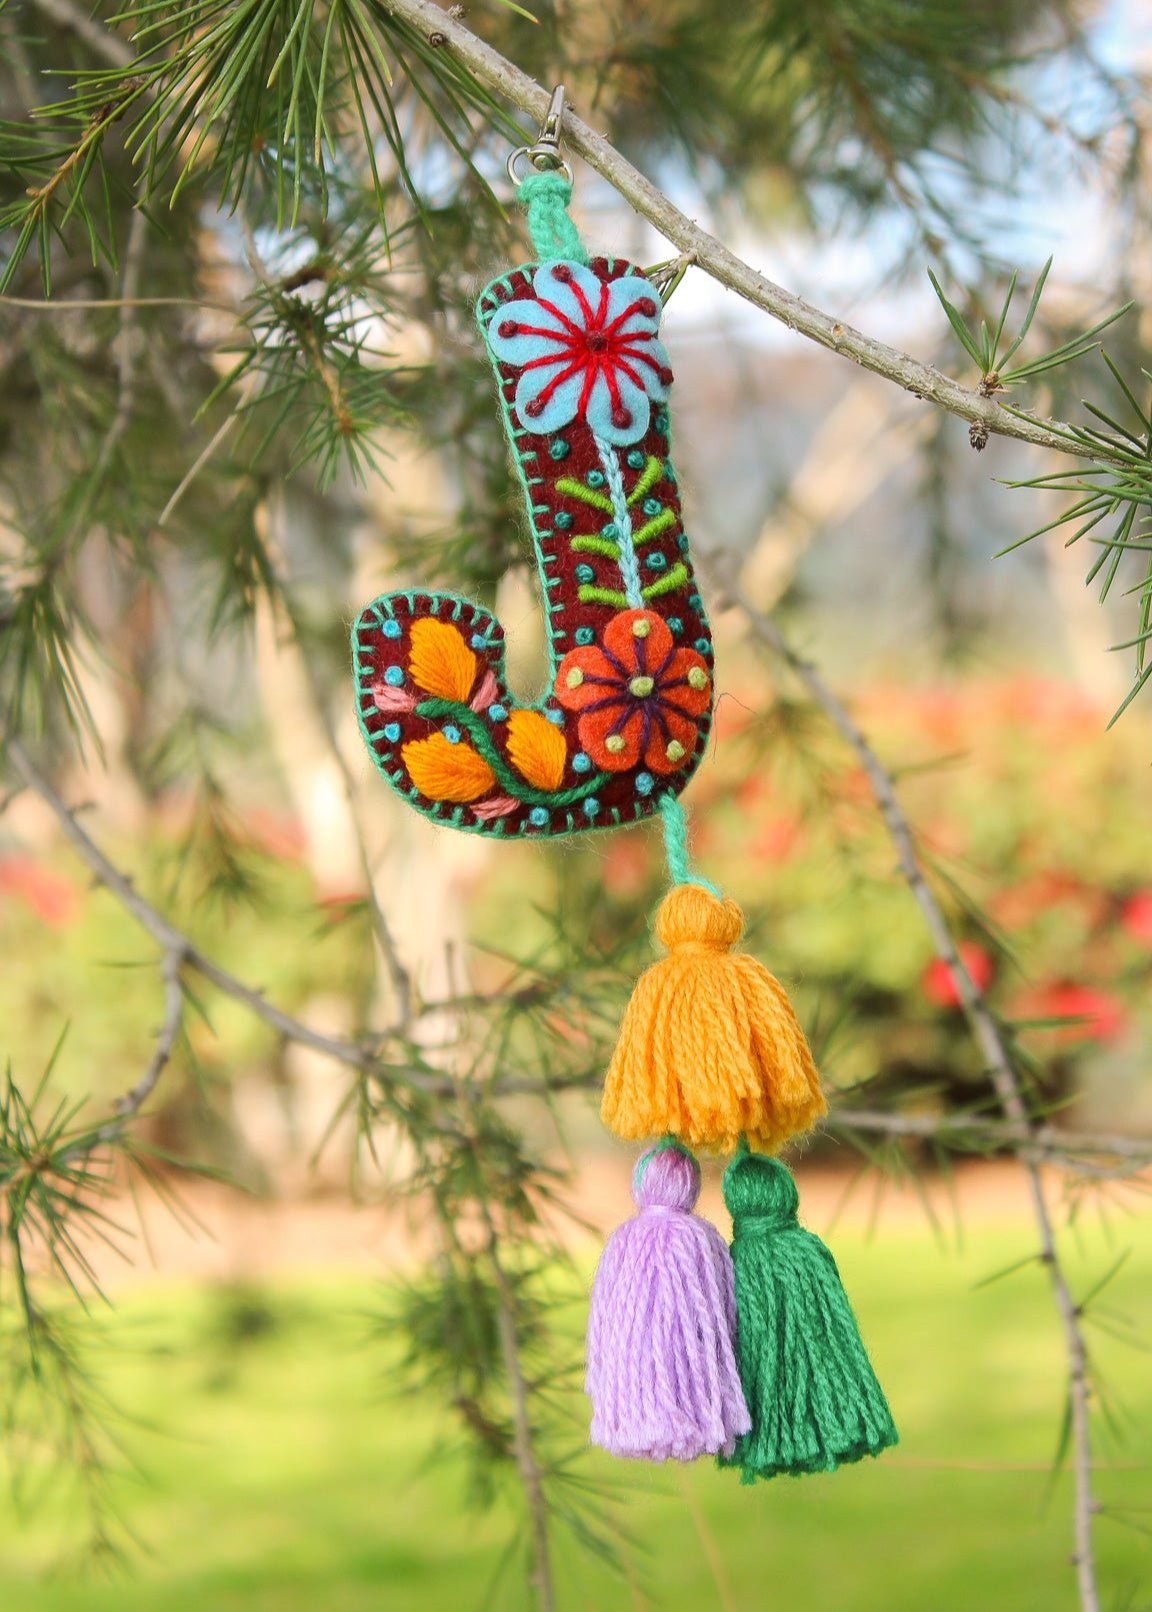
(544, 153)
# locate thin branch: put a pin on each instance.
(358, 1055)
(133, 1101)
(1002, 1071)
(1072, 1149)
(65, 304)
(922, 380)
(196, 467)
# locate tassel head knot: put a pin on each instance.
(689, 915)
(760, 1190)
(666, 1177)
(710, 1049)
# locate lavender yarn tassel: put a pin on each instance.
(662, 1373)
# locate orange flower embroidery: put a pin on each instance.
(639, 697)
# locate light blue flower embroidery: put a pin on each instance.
(587, 349)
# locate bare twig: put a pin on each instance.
(922, 380)
(194, 469)
(1001, 1069)
(133, 1101)
(1084, 1152)
(86, 304)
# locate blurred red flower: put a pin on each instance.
(1102, 1016)
(937, 983)
(1136, 915)
(51, 898)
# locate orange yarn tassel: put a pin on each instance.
(710, 1049)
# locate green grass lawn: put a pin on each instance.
(283, 1470)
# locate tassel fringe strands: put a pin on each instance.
(661, 1366)
(814, 1399)
(710, 1049)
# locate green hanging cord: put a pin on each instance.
(675, 824)
(545, 197)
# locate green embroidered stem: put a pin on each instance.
(591, 594)
(649, 476)
(437, 710)
(576, 489)
(675, 825)
(676, 578)
(544, 198)
(653, 528)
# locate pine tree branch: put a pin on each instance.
(922, 380)
(1002, 1071)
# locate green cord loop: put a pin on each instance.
(544, 198)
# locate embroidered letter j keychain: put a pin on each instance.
(752, 1356)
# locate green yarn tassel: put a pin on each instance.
(545, 197)
(813, 1397)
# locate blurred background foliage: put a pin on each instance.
(242, 393)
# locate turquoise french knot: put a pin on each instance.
(538, 816)
(591, 806)
(661, 422)
(394, 676)
(392, 732)
(682, 542)
(704, 645)
(498, 713)
(581, 762)
(563, 521)
(595, 478)
(391, 629)
(585, 573)
(635, 460)
(451, 732)
(479, 641)
(611, 531)
(645, 783)
(675, 626)
(651, 506)
(585, 635)
(656, 561)
(555, 717)
(559, 449)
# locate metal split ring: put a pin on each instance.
(544, 159)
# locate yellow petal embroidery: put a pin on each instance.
(537, 749)
(445, 771)
(441, 662)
